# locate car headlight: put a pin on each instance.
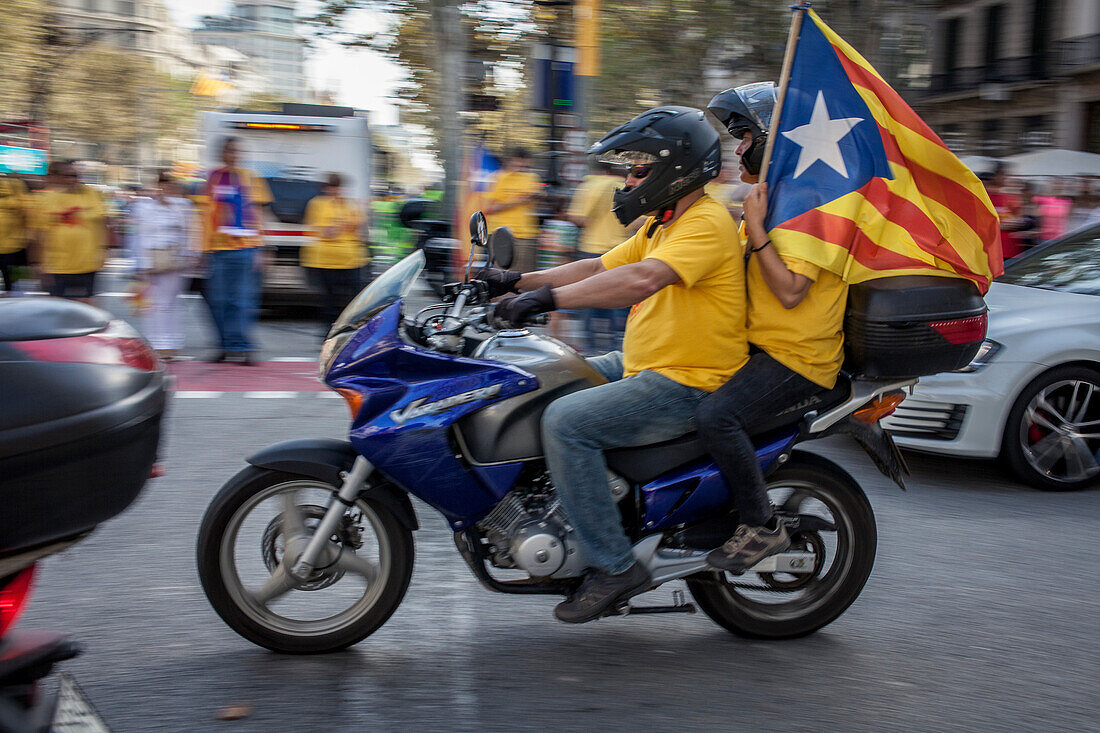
(986, 352)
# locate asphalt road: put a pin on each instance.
(980, 615)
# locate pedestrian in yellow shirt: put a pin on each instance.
(511, 204)
(335, 255)
(69, 219)
(13, 228)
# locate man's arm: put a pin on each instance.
(618, 287)
(789, 287)
(562, 275)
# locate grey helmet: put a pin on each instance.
(747, 108)
(681, 150)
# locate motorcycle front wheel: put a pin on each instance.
(261, 516)
(787, 606)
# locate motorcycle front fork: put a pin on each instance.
(341, 500)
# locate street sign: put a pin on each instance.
(25, 161)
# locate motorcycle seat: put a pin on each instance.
(33, 319)
(645, 463)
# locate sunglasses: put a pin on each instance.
(639, 171)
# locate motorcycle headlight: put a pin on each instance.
(986, 352)
(331, 349)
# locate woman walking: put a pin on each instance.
(165, 247)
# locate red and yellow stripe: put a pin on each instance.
(934, 217)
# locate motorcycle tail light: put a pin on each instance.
(117, 344)
(879, 408)
(962, 330)
(14, 597)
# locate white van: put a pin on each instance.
(294, 151)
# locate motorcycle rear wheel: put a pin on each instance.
(751, 607)
(254, 619)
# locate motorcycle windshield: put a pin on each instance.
(393, 284)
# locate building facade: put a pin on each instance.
(1012, 75)
(263, 30)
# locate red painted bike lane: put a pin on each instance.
(265, 376)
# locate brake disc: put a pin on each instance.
(272, 548)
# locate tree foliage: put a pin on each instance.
(22, 55)
(117, 100)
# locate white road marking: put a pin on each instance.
(272, 395)
(196, 394)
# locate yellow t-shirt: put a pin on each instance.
(342, 252)
(72, 228)
(520, 219)
(214, 240)
(13, 205)
(592, 201)
(693, 331)
(809, 338)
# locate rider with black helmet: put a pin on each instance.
(682, 273)
(795, 321)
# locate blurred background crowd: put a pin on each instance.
(364, 131)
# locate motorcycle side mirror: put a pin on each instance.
(479, 229)
(502, 245)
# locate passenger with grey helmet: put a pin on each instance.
(681, 273)
(795, 331)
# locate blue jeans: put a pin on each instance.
(576, 429)
(234, 293)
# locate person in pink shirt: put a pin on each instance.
(1053, 213)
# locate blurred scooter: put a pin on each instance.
(81, 401)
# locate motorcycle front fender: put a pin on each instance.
(325, 459)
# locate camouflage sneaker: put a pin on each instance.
(600, 591)
(748, 546)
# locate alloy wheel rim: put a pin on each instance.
(1060, 431)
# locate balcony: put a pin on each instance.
(1036, 67)
(1078, 54)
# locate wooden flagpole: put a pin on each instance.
(784, 80)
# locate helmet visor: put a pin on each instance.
(759, 100)
(628, 158)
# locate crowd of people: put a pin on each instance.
(58, 238)
(1031, 214)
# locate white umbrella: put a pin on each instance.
(1054, 162)
(979, 163)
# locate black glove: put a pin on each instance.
(499, 281)
(515, 310)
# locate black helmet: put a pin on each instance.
(683, 149)
(744, 109)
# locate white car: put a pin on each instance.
(1032, 394)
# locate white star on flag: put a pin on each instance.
(820, 139)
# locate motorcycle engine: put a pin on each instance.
(528, 530)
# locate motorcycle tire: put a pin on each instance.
(720, 597)
(222, 510)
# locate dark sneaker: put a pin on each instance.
(216, 358)
(748, 546)
(601, 591)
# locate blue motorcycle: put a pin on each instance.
(310, 548)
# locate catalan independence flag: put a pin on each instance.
(859, 185)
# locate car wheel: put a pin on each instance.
(1052, 437)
